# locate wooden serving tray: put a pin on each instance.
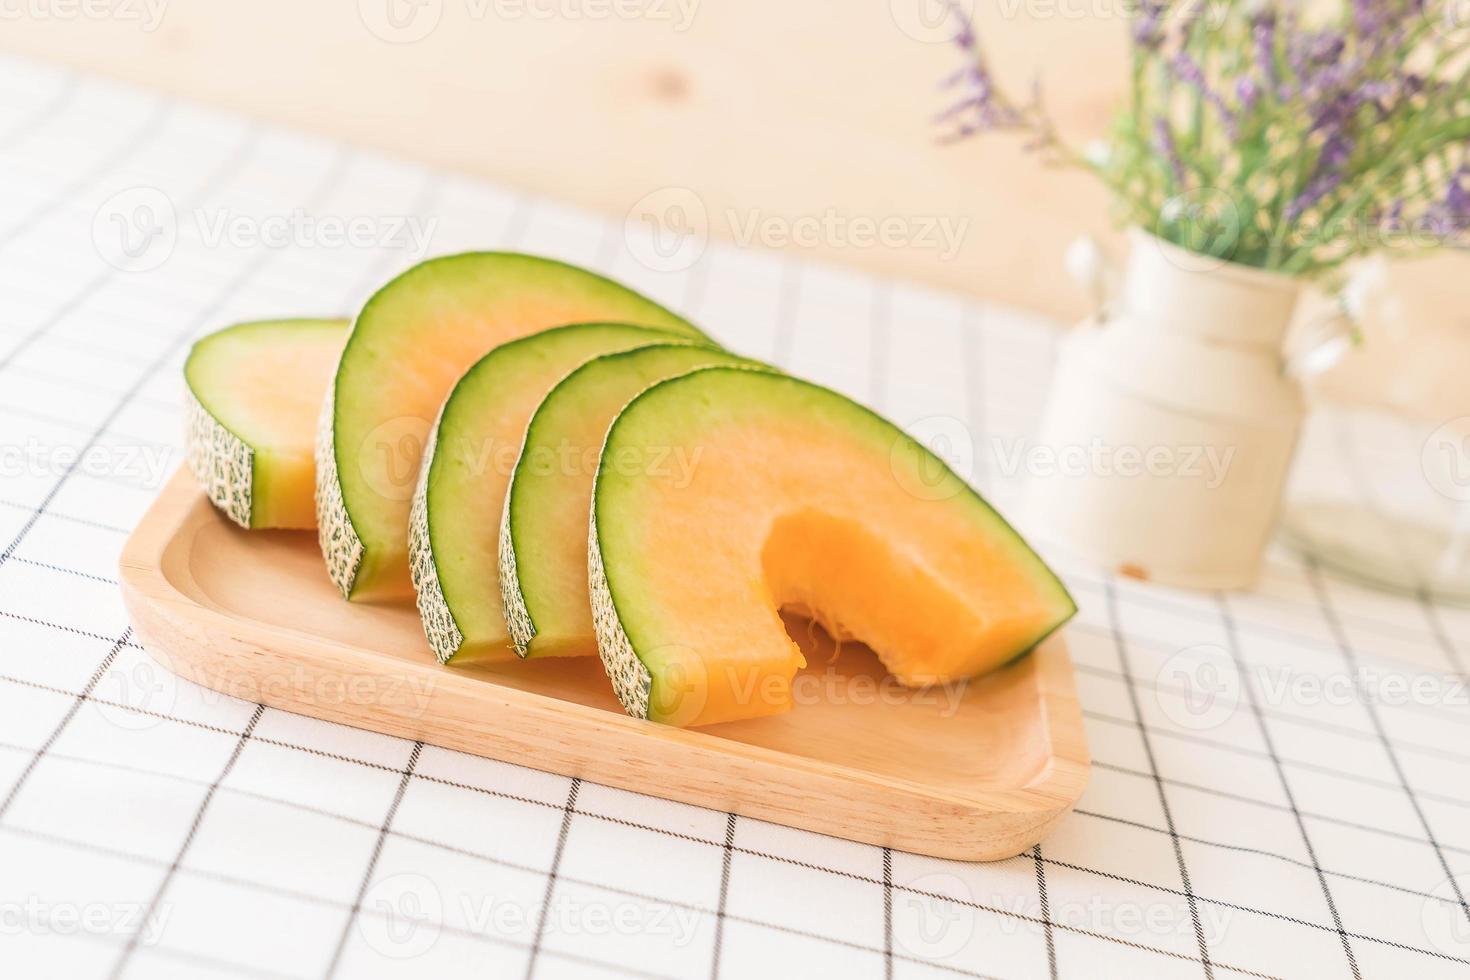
(976, 772)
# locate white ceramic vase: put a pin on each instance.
(1171, 422)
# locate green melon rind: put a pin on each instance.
(631, 678)
(631, 681)
(223, 462)
(220, 460)
(513, 598)
(440, 628)
(341, 547)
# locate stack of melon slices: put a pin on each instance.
(554, 465)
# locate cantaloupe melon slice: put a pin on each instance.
(543, 535)
(412, 341)
(454, 522)
(253, 393)
(792, 497)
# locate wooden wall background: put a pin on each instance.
(764, 108)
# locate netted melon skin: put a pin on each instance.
(219, 460)
(440, 629)
(341, 547)
(630, 679)
(513, 602)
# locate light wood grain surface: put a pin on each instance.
(765, 109)
(978, 771)
(769, 111)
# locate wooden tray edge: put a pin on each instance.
(211, 648)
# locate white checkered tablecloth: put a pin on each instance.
(1308, 821)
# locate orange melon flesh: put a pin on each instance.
(262, 383)
(454, 534)
(543, 538)
(793, 498)
(412, 341)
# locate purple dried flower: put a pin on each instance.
(982, 106)
(1148, 27)
(1188, 71)
(1457, 195)
(1326, 175)
(1324, 47)
(1380, 24)
(1263, 35)
(1308, 54)
(964, 37)
(1369, 16)
(1317, 188)
(1247, 92)
(1335, 153)
(1450, 216)
(1379, 91)
(1365, 95)
(1164, 138)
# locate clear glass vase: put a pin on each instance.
(1384, 497)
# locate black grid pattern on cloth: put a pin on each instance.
(1295, 836)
